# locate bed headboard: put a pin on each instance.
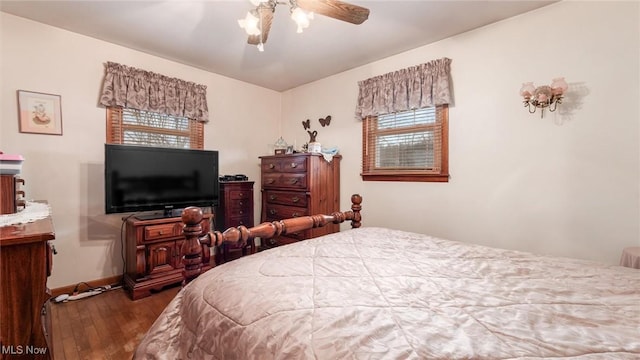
(196, 246)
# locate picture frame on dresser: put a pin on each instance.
(39, 113)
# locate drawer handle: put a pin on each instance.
(294, 165)
(293, 181)
(241, 222)
(271, 166)
(272, 197)
(160, 232)
(240, 212)
(270, 181)
(295, 199)
(295, 214)
(241, 195)
(272, 212)
(240, 203)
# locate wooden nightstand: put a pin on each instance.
(154, 254)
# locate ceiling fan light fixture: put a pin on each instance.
(260, 47)
(250, 24)
(301, 18)
(301, 11)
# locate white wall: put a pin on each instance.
(68, 170)
(567, 184)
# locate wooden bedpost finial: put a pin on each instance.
(356, 200)
(191, 248)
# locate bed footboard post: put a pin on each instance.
(191, 248)
(356, 200)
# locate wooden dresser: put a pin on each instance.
(299, 185)
(235, 209)
(25, 316)
(154, 254)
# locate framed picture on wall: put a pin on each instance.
(39, 113)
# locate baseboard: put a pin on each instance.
(112, 280)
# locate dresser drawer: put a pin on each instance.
(235, 221)
(233, 206)
(285, 165)
(285, 180)
(286, 198)
(169, 230)
(239, 194)
(161, 231)
(278, 212)
(239, 211)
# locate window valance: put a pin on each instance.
(129, 87)
(415, 87)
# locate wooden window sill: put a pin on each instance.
(406, 177)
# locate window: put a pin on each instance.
(139, 127)
(406, 146)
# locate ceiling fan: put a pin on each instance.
(257, 22)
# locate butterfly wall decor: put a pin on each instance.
(306, 124)
(326, 121)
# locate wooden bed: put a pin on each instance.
(378, 293)
(196, 248)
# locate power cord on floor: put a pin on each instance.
(90, 291)
(77, 294)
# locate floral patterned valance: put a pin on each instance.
(144, 90)
(411, 88)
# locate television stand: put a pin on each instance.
(154, 253)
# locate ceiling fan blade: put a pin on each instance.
(266, 17)
(336, 9)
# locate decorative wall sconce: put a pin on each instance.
(546, 96)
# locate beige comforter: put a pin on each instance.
(375, 293)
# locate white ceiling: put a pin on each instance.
(206, 35)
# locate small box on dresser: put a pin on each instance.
(299, 185)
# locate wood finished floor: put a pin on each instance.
(107, 326)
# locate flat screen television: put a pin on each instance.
(141, 178)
